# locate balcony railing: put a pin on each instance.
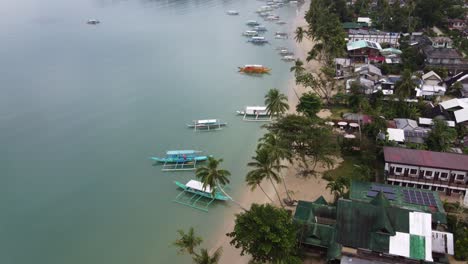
(428, 181)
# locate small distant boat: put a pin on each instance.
(93, 22)
(285, 52)
(232, 12)
(258, 40)
(260, 28)
(207, 124)
(272, 18)
(254, 68)
(250, 33)
(252, 23)
(293, 2)
(281, 22)
(180, 156)
(196, 187)
(281, 48)
(264, 14)
(255, 113)
(288, 58)
(281, 35)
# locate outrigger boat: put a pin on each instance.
(285, 52)
(288, 58)
(272, 17)
(195, 196)
(259, 69)
(258, 40)
(260, 28)
(281, 35)
(207, 124)
(252, 23)
(281, 22)
(93, 22)
(180, 160)
(232, 12)
(250, 33)
(255, 113)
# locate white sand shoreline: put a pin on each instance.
(302, 189)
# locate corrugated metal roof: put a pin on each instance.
(426, 158)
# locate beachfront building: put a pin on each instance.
(428, 170)
(432, 85)
(380, 37)
(363, 50)
(379, 222)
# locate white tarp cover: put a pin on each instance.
(395, 134)
(400, 244)
(420, 224)
(258, 110)
(442, 242)
(461, 115)
(196, 185)
(207, 121)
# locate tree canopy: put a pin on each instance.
(267, 233)
(309, 104)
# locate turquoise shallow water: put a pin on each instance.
(82, 107)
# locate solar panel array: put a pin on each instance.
(389, 196)
(418, 197)
(384, 189)
(371, 44)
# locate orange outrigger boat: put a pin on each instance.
(254, 69)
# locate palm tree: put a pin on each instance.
(253, 180)
(265, 169)
(278, 151)
(276, 102)
(336, 188)
(215, 178)
(205, 258)
(299, 34)
(187, 241)
(298, 67)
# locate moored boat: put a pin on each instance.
(260, 28)
(258, 40)
(281, 22)
(254, 68)
(181, 156)
(250, 33)
(288, 58)
(285, 52)
(93, 22)
(252, 23)
(232, 12)
(255, 113)
(196, 187)
(207, 124)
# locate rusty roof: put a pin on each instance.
(426, 158)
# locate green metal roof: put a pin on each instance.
(321, 200)
(352, 25)
(358, 191)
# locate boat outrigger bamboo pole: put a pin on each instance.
(230, 198)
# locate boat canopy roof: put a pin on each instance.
(182, 152)
(258, 38)
(258, 109)
(206, 121)
(254, 65)
(196, 185)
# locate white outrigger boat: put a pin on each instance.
(281, 22)
(196, 196)
(260, 28)
(255, 113)
(288, 58)
(93, 22)
(252, 23)
(232, 12)
(250, 33)
(281, 35)
(206, 124)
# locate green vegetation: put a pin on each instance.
(187, 243)
(441, 137)
(267, 233)
(276, 102)
(309, 104)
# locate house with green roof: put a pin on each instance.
(382, 224)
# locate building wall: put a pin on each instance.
(443, 180)
(392, 39)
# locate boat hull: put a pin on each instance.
(180, 160)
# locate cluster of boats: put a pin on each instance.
(285, 54)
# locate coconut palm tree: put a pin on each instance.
(300, 33)
(276, 102)
(298, 67)
(278, 151)
(337, 187)
(253, 181)
(264, 168)
(205, 258)
(187, 242)
(215, 178)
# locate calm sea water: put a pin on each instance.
(82, 107)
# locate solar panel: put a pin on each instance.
(384, 189)
(418, 197)
(372, 193)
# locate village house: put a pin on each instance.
(374, 35)
(456, 24)
(432, 85)
(343, 67)
(366, 21)
(362, 50)
(461, 79)
(441, 42)
(457, 109)
(447, 58)
(369, 71)
(379, 222)
(429, 170)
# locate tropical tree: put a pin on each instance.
(323, 83)
(205, 258)
(264, 168)
(300, 33)
(278, 151)
(254, 181)
(441, 136)
(187, 242)
(309, 104)
(214, 178)
(404, 88)
(337, 186)
(267, 233)
(298, 67)
(276, 102)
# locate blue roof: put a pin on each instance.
(181, 152)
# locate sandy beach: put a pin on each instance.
(300, 188)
